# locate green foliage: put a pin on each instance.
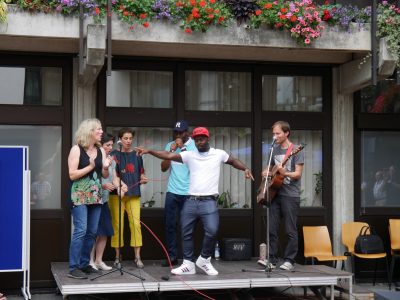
(134, 11)
(389, 27)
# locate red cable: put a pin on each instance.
(170, 264)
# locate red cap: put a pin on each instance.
(200, 131)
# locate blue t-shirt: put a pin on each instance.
(178, 182)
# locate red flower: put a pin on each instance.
(268, 5)
(97, 10)
(221, 19)
(202, 3)
(258, 12)
(283, 10)
(210, 16)
(130, 168)
(143, 16)
(212, 1)
(188, 30)
(125, 13)
(192, 2)
(293, 18)
(179, 4)
(146, 24)
(282, 17)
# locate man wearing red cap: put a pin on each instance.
(204, 166)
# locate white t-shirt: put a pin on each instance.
(204, 170)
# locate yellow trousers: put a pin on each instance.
(131, 205)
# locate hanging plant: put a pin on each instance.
(3, 11)
(389, 27)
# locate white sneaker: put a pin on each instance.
(186, 268)
(265, 263)
(93, 265)
(102, 266)
(206, 266)
(288, 266)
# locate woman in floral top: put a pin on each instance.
(87, 163)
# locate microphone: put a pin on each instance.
(273, 141)
(119, 143)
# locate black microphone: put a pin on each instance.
(119, 143)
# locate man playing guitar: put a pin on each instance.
(286, 203)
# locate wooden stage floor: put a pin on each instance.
(232, 275)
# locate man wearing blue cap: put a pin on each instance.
(178, 187)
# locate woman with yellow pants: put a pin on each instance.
(129, 167)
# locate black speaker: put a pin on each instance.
(236, 249)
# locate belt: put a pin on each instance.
(202, 198)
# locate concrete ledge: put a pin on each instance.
(22, 23)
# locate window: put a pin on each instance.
(383, 98)
(311, 179)
(134, 88)
(235, 141)
(218, 91)
(44, 144)
(31, 86)
(380, 182)
(289, 93)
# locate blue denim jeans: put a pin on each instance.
(194, 210)
(86, 219)
(172, 210)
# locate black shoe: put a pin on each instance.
(90, 270)
(165, 263)
(77, 274)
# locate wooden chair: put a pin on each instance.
(317, 245)
(394, 233)
(350, 232)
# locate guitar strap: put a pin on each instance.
(288, 151)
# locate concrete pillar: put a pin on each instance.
(343, 162)
(83, 99)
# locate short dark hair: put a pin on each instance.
(124, 130)
(283, 125)
(106, 138)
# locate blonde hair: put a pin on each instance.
(84, 134)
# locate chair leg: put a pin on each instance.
(389, 273)
(392, 263)
(376, 266)
(353, 268)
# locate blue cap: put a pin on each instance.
(181, 126)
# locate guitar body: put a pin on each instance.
(274, 184)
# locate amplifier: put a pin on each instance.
(236, 249)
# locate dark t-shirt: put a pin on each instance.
(290, 187)
(131, 167)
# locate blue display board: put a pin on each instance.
(12, 166)
(15, 212)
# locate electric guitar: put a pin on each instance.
(275, 180)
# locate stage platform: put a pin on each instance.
(232, 275)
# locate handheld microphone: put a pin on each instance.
(119, 143)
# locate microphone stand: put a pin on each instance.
(268, 265)
(119, 266)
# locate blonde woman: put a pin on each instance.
(87, 164)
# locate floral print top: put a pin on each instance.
(87, 189)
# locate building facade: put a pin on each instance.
(235, 81)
